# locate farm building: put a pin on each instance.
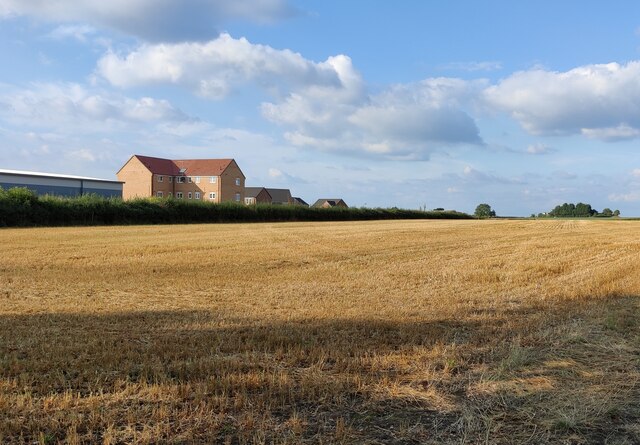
(330, 202)
(61, 185)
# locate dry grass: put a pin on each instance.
(375, 332)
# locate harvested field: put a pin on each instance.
(495, 332)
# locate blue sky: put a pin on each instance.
(524, 105)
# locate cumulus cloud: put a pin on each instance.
(324, 105)
(632, 196)
(539, 149)
(74, 106)
(472, 66)
(212, 69)
(403, 122)
(281, 177)
(153, 20)
(473, 175)
(612, 134)
(599, 101)
(77, 32)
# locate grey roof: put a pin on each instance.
(280, 195)
(252, 192)
(332, 202)
(299, 201)
(55, 175)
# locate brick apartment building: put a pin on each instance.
(214, 180)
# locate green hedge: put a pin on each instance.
(20, 207)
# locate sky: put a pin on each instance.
(440, 103)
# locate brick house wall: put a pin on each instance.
(137, 180)
(167, 180)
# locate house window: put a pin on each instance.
(197, 195)
(190, 195)
(179, 195)
(190, 180)
(248, 201)
(213, 179)
(237, 181)
(170, 178)
(160, 178)
(212, 195)
(237, 197)
(180, 179)
(197, 179)
(159, 194)
(170, 194)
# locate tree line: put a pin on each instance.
(579, 210)
(566, 210)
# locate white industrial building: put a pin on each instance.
(60, 185)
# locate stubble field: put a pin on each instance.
(448, 332)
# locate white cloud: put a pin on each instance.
(635, 172)
(473, 175)
(601, 101)
(539, 149)
(472, 66)
(620, 133)
(275, 173)
(74, 106)
(85, 154)
(403, 122)
(632, 196)
(213, 69)
(281, 177)
(77, 32)
(323, 105)
(154, 20)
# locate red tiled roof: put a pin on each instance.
(192, 167)
(203, 167)
(159, 166)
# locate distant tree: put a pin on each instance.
(573, 210)
(607, 212)
(616, 213)
(484, 211)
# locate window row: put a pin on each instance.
(191, 195)
(187, 179)
(190, 179)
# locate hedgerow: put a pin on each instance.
(20, 207)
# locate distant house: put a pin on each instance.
(60, 185)
(213, 180)
(296, 201)
(280, 196)
(333, 202)
(256, 195)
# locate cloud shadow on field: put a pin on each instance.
(203, 376)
